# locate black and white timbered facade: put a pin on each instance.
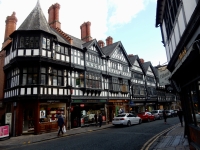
(49, 72)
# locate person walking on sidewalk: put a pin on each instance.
(165, 116)
(180, 115)
(60, 124)
(95, 118)
(100, 119)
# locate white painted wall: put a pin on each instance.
(189, 6)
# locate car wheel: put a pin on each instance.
(129, 124)
(140, 121)
(148, 120)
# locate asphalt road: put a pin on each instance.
(116, 138)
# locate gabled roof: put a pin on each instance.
(90, 43)
(134, 58)
(148, 64)
(36, 21)
(108, 50)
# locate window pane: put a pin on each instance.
(59, 81)
(44, 43)
(29, 79)
(48, 43)
(43, 70)
(54, 80)
(35, 79)
(43, 79)
(24, 79)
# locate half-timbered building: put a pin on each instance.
(137, 84)
(150, 81)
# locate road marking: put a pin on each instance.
(154, 138)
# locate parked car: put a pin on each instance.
(170, 113)
(126, 119)
(146, 116)
(158, 114)
(198, 117)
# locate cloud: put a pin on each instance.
(104, 15)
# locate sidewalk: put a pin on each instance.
(172, 139)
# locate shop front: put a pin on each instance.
(49, 112)
(115, 105)
(83, 112)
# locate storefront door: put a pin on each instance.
(28, 121)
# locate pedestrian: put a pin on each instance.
(60, 124)
(180, 115)
(165, 116)
(100, 119)
(95, 118)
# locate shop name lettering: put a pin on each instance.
(52, 101)
(182, 54)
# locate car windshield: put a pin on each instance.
(121, 115)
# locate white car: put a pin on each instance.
(126, 119)
(198, 117)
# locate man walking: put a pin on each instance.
(180, 115)
(100, 119)
(60, 124)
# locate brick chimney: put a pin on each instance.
(11, 22)
(109, 40)
(101, 43)
(54, 16)
(141, 60)
(85, 31)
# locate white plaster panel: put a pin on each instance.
(36, 52)
(55, 91)
(67, 58)
(181, 22)
(28, 52)
(173, 43)
(48, 54)
(167, 52)
(164, 32)
(43, 53)
(58, 56)
(34, 90)
(22, 91)
(60, 91)
(62, 57)
(49, 91)
(41, 90)
(45, 90)
(170, 49)
(20, 52)
(189, 6)
(176, 32)
(28, 91)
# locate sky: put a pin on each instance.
(130, 21)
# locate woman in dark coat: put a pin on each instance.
(165, 116)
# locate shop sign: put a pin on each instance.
(53, 101)
(124, 88)
(82, 105)
(131, 102)
(4, 131)
(182, 54)
(8, 120)
(88, 101)
(164, 75)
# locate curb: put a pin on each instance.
(147, 145)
